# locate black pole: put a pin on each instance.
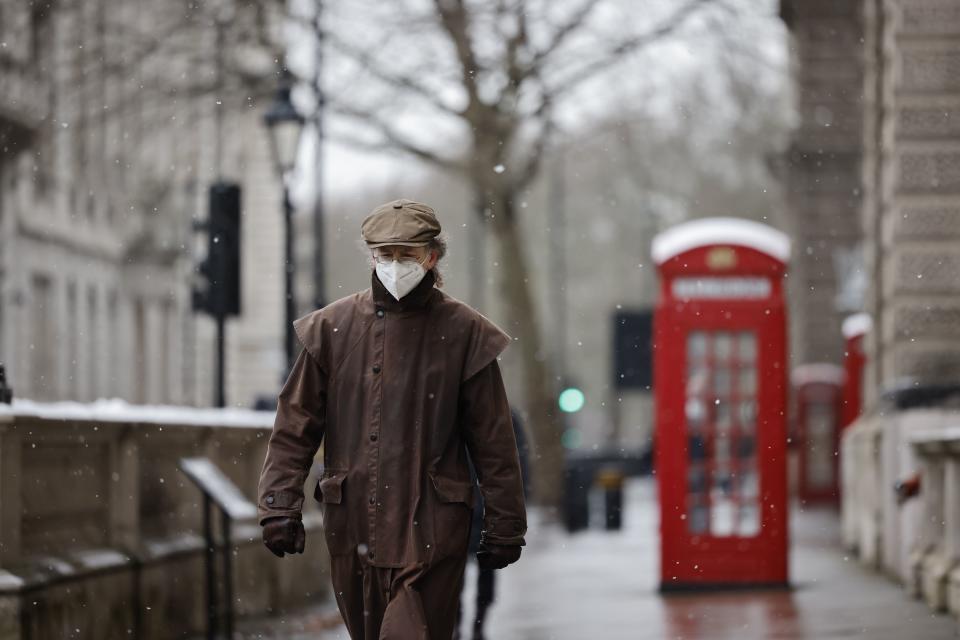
(220, 394)
(558, 229)
(227, 576)
(136, 591)
(478, 272)
(288, 272)
(6, 393)
(211, 585)
(319, 286)
(221, 399)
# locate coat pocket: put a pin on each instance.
(329, 489)
(329, 492)
(452, 490)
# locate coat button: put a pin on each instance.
(376, 368)
(372, 500)
(380, 313)
(269, 499)
(373, 437)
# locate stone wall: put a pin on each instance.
(916, 542)
(101, 533)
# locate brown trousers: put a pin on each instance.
(381, 603)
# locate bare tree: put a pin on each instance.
(490, 75)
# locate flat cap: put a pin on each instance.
(403, 222)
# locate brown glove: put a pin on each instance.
(283, 534)
(496, 556)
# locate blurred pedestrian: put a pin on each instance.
(400, 381)
(486, 579)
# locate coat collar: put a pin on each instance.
(413, 301)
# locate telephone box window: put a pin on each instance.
(722, 478)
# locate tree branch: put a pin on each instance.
(535, 156)
(590, 69)
(399, 81)
(516, 71)
(561, 34)
(455, 21)
(393, 138)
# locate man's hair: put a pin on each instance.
(438, 244)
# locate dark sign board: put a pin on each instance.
(633, 349)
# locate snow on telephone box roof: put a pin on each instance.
(858, 324)
(719, 231)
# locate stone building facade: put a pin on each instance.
(912, 175)
(909, 186)
(874, 174)
(822, 174)
(108, 143)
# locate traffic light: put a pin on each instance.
(218, 292)
(571, 400)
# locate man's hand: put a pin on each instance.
(283, 534)
(496, 556)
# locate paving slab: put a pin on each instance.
(596, 584)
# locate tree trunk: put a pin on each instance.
(543, 419)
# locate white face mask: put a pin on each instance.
(400, 278)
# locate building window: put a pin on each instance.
(112, 348)
(70, 332)
(94, 352)
(42, 340)
(168, 319)
(140, 351)
(42, 48)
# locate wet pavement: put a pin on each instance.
(598, 584)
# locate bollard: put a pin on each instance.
(6, 393)
(610, 479)
(576, 486)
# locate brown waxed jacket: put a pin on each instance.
(399, 391)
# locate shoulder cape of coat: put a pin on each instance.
(484, 340)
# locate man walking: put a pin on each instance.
(399, 381)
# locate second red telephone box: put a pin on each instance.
(720, 389)
(817, 390)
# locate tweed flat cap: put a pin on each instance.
(403, 222)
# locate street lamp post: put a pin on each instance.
(319, 275)
(285, 125)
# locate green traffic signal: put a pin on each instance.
(571, 400)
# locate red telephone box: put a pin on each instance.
(817, 392)
(720, 359)
(854, 328)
